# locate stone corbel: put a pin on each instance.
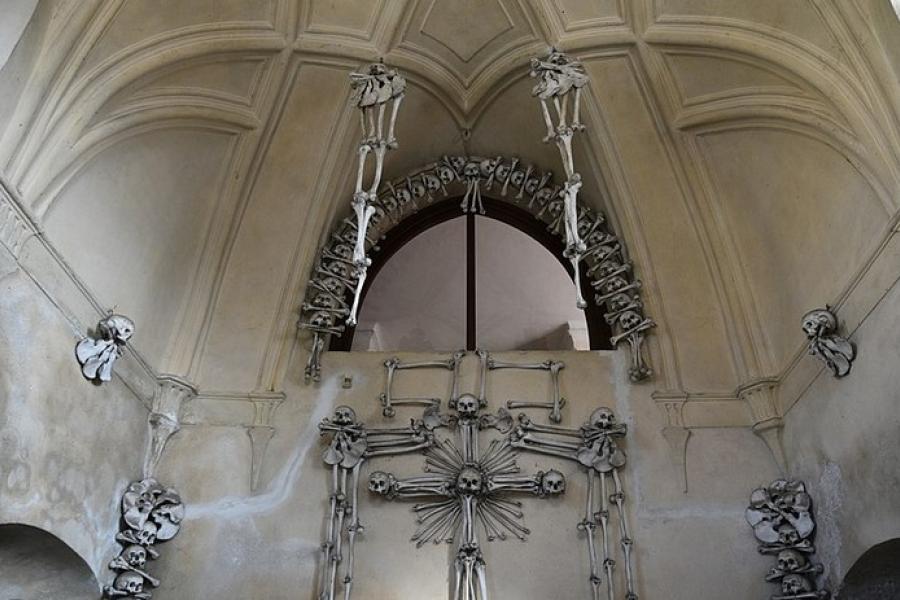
(165, 417)
(767, 423)
(675, 432)
(261, 431)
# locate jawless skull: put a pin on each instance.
(379, 483)
(790, 561)
(467, 405)
(344, 415)
(469, 481)
(129, 581)
(603, 418)
(818, 322)
(135, 555)
(553, 482)
(795, 584)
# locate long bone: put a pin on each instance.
(120, 563)
(608, 562)
(529, 425)
(352, 529)
(589, 526)
(626, 541)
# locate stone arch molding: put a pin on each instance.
(329, 293)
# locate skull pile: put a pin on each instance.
(782, 521)
(151, 513)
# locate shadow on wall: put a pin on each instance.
(875, 575)
(35, 565)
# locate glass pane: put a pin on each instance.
(417, 301)
(525, 298)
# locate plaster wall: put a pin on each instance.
(841, 437)
(67, 447)
(236, 544)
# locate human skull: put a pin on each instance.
(471, 170)
(502, 171)
(787, 535)
(469, 481)
(544, 195)
(129, 581)
(531, 186)
(404, 196)
(488, 166)
(135, 555)
(117, 327)
(379, 483)
(343, 250)
(457, 162)
(344, 415)
(417, 187)
(517, 177)
(467, 405)
(553, 482)
(630, 319)
(603, 418)
(614, 284)
(790, 561)
(818, 322)
(322, 320)
(146, 535)
(795, 584)
(446, 174)
(432, 182)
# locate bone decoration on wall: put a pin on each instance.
(595, 447)
(332, 284)
(553, 367)
(465, 490)
(820, 326)
(560, 79)
(97, 355)
(782, 520)
(389, 402)
(151, 513)
(351, 443)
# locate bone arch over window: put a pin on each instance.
(335, 276)
(498, 286)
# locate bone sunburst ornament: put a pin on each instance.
(467, 488)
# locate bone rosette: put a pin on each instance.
(782, 521)
(151, 514)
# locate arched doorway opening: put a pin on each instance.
(875, 575)
(37, 564)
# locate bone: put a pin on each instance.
(352, 529)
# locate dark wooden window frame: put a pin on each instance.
(599, 331)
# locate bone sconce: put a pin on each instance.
(820, 326)
(97, 355)
(782, 520)
(151, 513)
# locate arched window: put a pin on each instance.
(442, 281)
(875, 575)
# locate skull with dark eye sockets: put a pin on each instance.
(793, 585)
(553, 482)
(344, 415)
(790, 561)
(467, 405)
(379, 483)
(469, 481)
(603, 418)
(130, 582)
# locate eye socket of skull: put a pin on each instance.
(467, 404)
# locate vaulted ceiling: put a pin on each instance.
(187, 159)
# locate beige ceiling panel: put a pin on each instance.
(280, 209)
(582, 14)
(133, 221)
(796, 18)
(354, 18)
(803, 218)
(138, 22)
(680, 261)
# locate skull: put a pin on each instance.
(343, 250)
(403, 195)
(517, 178)
(467, 405)
(614, 284)
(417, 188)
(322, 320)
(787, 535)
(472, 171)
(620, 301)
(603, 418)
(818, 322)
(323, 300)
(488, 166)
(129, 581)
(333, 285)
(531, 186)
(790, 561)
(379, 483)
(553, 482)
(544, 195)
(117, 327)
(457, 162)
(795, 584)
(469, 481)
(344, 415)
(432, 182)
(630, 319)
(146, 535)
(446, 174)
(135, 555)
(502, 171)
(339, 268)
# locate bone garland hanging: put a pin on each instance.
(560, 79)
(782, 520)
(151, 513)
(594, 446)
(333, 283)
(97, 355)
(351, 444)
(373, 90)
(464, 488)
(820, 326)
